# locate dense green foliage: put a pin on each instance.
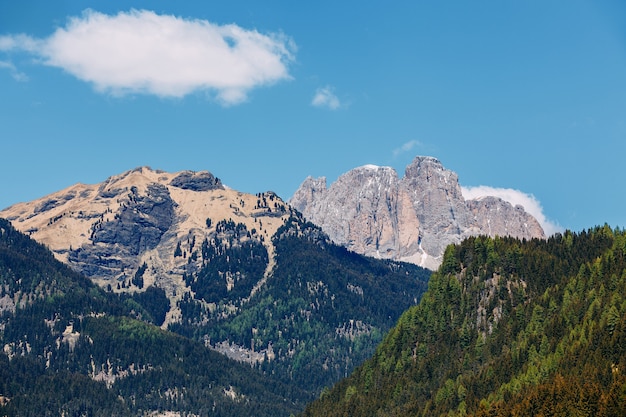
(506, 328)
(320, 312)
(70, 348)
(154, 301)
(243, 264)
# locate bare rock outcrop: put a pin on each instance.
(363, 218)
(492, 215)
(372, 211)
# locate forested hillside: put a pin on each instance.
(319, 314)
(69, 348)
(506, 328)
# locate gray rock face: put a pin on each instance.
(141, 222)
(137, 227)
(372, 211)
(493, 214)
(197, 181)
(438, 202)
(363, 218)
(310, 192)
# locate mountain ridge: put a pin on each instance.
(374, 212)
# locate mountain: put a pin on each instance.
(145, 220)
(243, 274)
(506, 328)
(70, 348)
(372, 211)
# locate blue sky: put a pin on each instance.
(516, 95)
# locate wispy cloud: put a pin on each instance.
(325, 97)
(141, 52)
(515, 197)
(406, 147)
(17, 75)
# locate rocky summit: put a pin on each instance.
(144, 227)
(372, 211)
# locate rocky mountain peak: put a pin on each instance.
(427, 174)
(372, 211)
(375, 176)
(147, 222)
(197, 181)
(354, 210)
(421, 163)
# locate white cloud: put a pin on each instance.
(325, 97)
(407, 147)
(19, 42)
(142, 52)
(17, 76)
(515, 197)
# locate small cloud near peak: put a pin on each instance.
(406, 147)
(325, 97)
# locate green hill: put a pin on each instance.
(506, 328)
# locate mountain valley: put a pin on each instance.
(156, 293)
